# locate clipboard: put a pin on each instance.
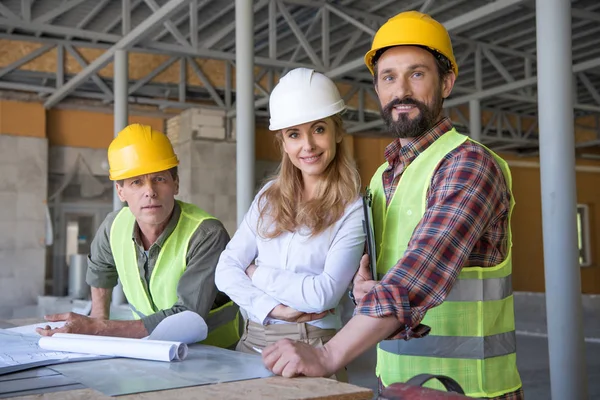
(367, 199)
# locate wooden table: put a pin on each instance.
(274, 388)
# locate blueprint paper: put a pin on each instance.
(204, 365)
(186, 327)
(30, 329)
(19, 352)
(156, 350)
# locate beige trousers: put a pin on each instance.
(260, 336)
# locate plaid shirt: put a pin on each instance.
(465, 224)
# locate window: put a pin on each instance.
(583, 235)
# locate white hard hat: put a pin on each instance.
(303, 95)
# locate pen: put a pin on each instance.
(257, 350)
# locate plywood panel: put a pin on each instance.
(266, 145)
(23, 119)
(368, 153)
(88, 129)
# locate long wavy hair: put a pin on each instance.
(281, 206)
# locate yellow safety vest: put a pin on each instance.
(472, 338)
(223, 322)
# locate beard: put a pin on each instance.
(405, 127)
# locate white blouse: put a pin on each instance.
(309, 274)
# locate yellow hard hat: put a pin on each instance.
(416, 29)
(139, 150)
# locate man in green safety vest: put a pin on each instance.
(442, 204)
(163, 251)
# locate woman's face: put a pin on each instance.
(311, 146)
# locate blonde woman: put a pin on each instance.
(299, 245)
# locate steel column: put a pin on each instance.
(120, 122)
(557, 171)
(475, 120)
(245, 126)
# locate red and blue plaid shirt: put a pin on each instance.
(465, 224)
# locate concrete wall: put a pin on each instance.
(207, 178)
(23, 190)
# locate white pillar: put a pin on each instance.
(475, 119)
(244, 87)
(557, 160)
(120, 121)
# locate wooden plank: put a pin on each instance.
(276, 388)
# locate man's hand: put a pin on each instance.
(74, 323)
(250, 270)
(289, 314)
(289, 358)
(362, 282)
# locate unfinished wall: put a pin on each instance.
(23, 191)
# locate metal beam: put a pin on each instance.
(301, 38)
(57, 30)
(60, 65)
(182, 79)
(168, 24)
(206, 82)
(585, 14)
(425, 6)
(349, 19)
(55, 12)
(194, 23)
(128, 40)
(345, 68)
(97, 8)
(325, 26)
(230, 27)
(180, 21)
(25, 59)
(99, 82)
(348, 46)
(154, 73)
(7, 13)
(119, 18)
(450, 25)
(126, 18)
(589, 87)
(309, 29)
(498, 65)
(26, 10)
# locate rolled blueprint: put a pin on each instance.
(156, 350)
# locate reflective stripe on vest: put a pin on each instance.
(478, 289)
(472, 332)
(476, 347)
(171, 264)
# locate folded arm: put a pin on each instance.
(317, 293)
(231, 275)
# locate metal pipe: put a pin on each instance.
(245, 126)
(568, 378)
(475, 120)
(120, 122)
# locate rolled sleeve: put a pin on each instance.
(101, 271)
(196, 290)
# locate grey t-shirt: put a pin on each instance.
(196, 290)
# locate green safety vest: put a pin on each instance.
(223, 322)
(472, 336)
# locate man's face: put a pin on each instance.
(151, 197)
(410, 90)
